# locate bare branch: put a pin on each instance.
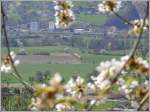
(8, 50)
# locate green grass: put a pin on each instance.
(105, 106)
(120, 51)
(66, 70)
(96, 59)
(30, 50)
(89, 62)
(16, 103)
(96, 19)
(79, 3)
(49, 49)
(92, 19)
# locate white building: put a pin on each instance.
(79, 30)
(51, 26)
(34, 26)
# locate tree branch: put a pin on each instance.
(132, 52)
(134, 48)
(8, 50)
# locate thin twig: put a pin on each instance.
(122, 18)
(22, 81)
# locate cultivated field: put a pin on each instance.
(54, 58)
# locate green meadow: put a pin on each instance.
(88, 64)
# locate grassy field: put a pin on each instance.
(96, 59)
(95, 19)
(89, 62)
(30, 50)
(66, 70)
(88, 18)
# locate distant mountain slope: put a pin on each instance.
(128, 11)
(141, 7)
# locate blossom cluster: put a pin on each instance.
(127, 85)
(139, 25)
(108, 6)
(64, 15)
(76, 87)
(139, 65)
(107, 71)
(134, 91)
(45, 95)
(7, 61)
(64, 107)
(48, 96)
